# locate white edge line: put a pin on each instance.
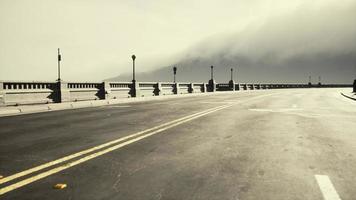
(327, 188)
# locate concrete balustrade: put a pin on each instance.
(147, 89)
(21, 92)
(117, 90)
(15, 93)
(167, 88)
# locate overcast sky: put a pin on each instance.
(97, 38)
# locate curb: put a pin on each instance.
(30, 109)
(348, 96)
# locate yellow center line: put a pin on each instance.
(136, 137)
(102, 152)
(75, 155)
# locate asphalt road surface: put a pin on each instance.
(268, 144)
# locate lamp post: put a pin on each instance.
(59, 65)
(133, 68)
(232, 71)
(232, 82)
(212, 84)
(236, 74)
(174, 73)
(212, 72)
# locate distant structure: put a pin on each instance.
(232, 82)
(309, 83)
(59, 64)
(212, 83)
(174, 74)
(319, 83)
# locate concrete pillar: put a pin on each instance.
(212, 85)
(205, 88)
(354, 90)
(62, 92)
(135, 89)
(232, 85)
(238, 87)
(2, 94)
(158, 89)
(106, 90)
(191, 88)
(176, 88)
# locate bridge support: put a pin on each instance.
(106, 90)
(62, 92)
(191, 88)
(158, 89)
(212, 85)
(135, 89)
(2, 94)
(176, 88)
(232, 85)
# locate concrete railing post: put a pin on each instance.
(135, 89)
(62, 92)
(232, 85)
(212, 85)
(176, 88)
(106, 92)
(354, 89)
(158, 89)
(2, 94)
(191, 88)
(204, 88)
(237, 86)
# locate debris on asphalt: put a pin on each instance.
(60, 186)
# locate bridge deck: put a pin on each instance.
(268, 144)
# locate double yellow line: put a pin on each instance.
(94, 152)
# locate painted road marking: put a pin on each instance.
(275, 110)
(327, 188)
(75, 155)
(69, 157)
(102, 152)
(126, 106)
(81, 153)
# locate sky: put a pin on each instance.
(97, 38)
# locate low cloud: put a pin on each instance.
(316, 40)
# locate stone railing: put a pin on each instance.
(21, 92)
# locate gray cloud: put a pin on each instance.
(317, 40)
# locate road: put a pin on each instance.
(268, 144)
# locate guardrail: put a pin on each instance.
(22, 92)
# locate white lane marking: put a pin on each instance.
(102, 152)
(327, 188)
(116, 106)
(212, 102)
(275, 110)
(69, 157)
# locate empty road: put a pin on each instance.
(251, 145)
